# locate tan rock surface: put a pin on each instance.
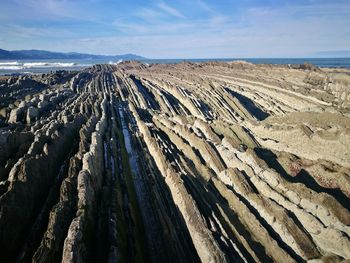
(188, 162)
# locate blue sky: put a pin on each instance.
(177, 29)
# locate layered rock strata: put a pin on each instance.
(188, 162)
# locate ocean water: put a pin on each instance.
(320, 62)
(8, 67)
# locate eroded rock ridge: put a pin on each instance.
(188, 162)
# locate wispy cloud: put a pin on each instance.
(164, 28)
(148, 14)
(170, 10)
(49, 10)
(20, 31)
(260, 31)
(204, 6)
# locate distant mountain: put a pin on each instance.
(42, 54)
(333, 54)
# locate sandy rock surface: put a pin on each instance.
(188, 162)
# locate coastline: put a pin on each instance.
(22, 67)
(109, 159)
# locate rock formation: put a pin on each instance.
(188, 162)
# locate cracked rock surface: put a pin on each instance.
(188, 162)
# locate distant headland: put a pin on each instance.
(42, 54)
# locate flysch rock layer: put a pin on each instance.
(188, 162)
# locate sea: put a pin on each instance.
(19, 67)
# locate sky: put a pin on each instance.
(177, 29)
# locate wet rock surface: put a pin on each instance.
(189, 162)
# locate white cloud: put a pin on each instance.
(154, 31)
(261, 32)
(148, 14)
(204, 6)
(19, 31)
(170, 10)
(164, 28)
(49, 10)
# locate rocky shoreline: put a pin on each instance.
(187, 162)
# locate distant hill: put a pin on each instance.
(42, 54)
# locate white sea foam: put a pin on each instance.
(11, 67)
(15, 65)
(9, 63)
(115, 63)
(48, 64)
